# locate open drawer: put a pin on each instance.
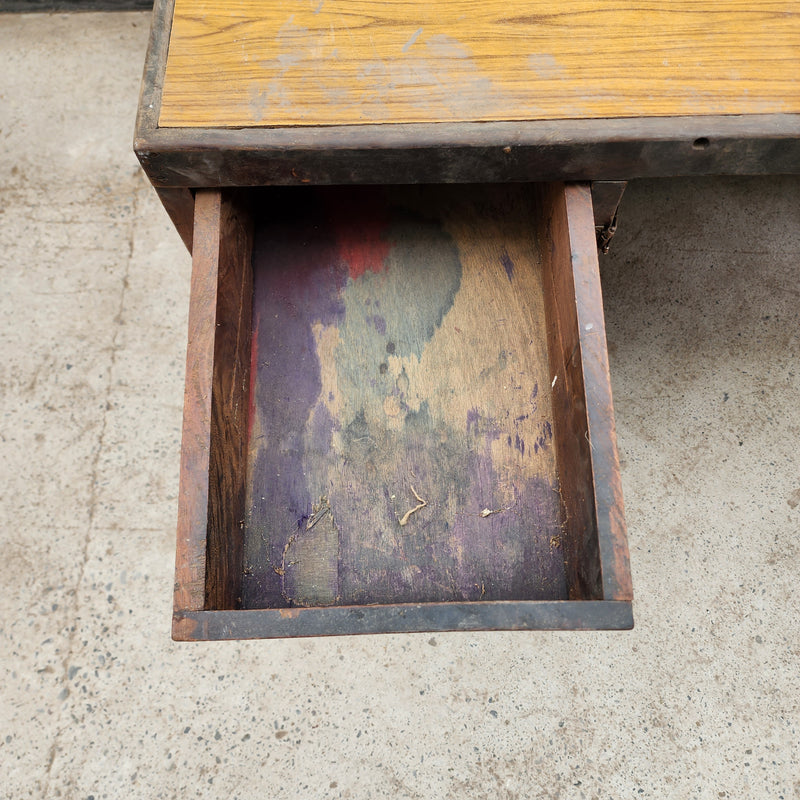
(398, 415)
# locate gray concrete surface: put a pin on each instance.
(699, 701)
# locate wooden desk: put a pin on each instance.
(398, 409)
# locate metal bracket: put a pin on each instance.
(605, 234)
(606, 197)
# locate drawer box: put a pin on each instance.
(398, 415)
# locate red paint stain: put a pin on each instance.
(360, 222)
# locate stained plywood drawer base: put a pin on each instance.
(398, 415)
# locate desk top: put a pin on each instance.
(253, 63)
(262, 92)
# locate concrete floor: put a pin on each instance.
(699, 701)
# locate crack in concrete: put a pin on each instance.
(94, 477)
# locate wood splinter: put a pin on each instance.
(318, 512)
(422, 503)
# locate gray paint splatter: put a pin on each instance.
(413, 39)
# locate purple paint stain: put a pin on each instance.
(519, 444)
(294, 288)
(320, 429)
(379, 323)
(486, 427)
(544, 438)
(508, 265)
(508, 555)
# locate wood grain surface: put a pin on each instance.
(596, 550)
(213, 448)
(193, 494)
(401, 441)
(609, 507)
(568, 394)
(227, 472)
(235, 63)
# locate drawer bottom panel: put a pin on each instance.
(401, 429)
